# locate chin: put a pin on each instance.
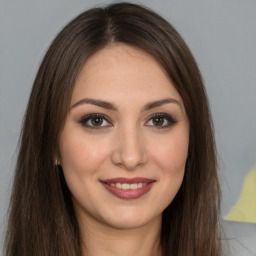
(131, 220)
(127, 224)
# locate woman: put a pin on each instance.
(117, 154)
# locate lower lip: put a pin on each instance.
(129, 193)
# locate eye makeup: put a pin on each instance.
(161, 121)
(100, 121)
(95, 121)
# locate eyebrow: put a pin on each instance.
(110, 106)
(99, 103)
(159, 103)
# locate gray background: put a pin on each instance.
(222, 37)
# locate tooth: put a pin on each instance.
(133, 186)
(140, 185)
(118, 185)
(125, 186)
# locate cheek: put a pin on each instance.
(171, 161)
(172, 154)
(80, 154)
(81, 158)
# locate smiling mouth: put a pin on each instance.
(128, 188)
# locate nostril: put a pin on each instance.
(130, 151)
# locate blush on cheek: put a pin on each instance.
(79, 156)
(172, 158)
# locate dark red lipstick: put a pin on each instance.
(128, 188)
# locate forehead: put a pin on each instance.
(121, 71)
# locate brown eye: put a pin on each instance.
(158, 121)
(161, 120)
(95, 121)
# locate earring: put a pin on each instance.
(56, 162)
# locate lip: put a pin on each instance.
(128, 180)
(128, 193)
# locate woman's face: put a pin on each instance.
(125, 140)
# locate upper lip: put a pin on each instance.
(128, 180)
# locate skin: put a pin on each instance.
(130, 142)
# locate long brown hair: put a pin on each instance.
(42, 220)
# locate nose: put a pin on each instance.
(130, 151)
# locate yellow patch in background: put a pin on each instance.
(245, 208)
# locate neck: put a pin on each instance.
(99, 239)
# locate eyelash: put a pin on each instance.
(84, 121)
(88, 118)
(166, 117)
